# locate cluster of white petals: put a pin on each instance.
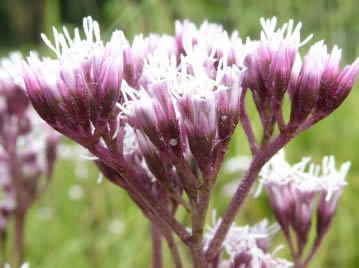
(304, 175)
(249, 240)
(24, 265)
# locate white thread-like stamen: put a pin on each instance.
(88, 157)
(100, 178)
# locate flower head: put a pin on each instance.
(28, 144)
(292, 191)
(194, 100)
(334, 85)
(14, 98)
(308, 82)
(77, 91)
(248, 245)
(7, 197)
(270, 60)
(274, 66)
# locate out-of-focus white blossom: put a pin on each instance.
(248, 242)
(76, 192)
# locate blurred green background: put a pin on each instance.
(79, 223)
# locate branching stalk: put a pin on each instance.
(260, 158)
(157, 259)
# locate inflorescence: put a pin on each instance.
(28, 149)
(293, 192)
(158, 114)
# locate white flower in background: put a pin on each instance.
(45, 213)
(248, 245)
(24, 265)
(74, 153)
(115, 226)
(76, 192)
(237, 164)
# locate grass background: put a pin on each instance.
(102, 228)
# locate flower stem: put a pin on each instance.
(201, 207)
(190, 181)
(260, 158)
(157, 260)
(19, 236)
(3, 236)
(135, 185)
(317, 243)
(293, 252)
(198, 222)
(115, 178)
(198, 258)
(171, 243)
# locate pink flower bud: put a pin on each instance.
(228, 102)
(335, 86)
(154, 114)
(281, 68)
(307, 87)
(153, 158)
(106, 73)
(199, 118)
(302, 217)
(134, 57)
(294, 208)
(331, 193)
(78, 92)
(326, 211)
(282, 198)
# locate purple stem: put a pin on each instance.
(19, 236)
(277, 102)
(260, 158)
(310, 122)
(157, 260)
(23, 200)
(171, 243)
(197, 256)
(190, 182)
(115, 178)
(200, 203)
(268, 128)
(198, 221)
(137, 186)
(162, 227)
(158, 208)
(317, 243)
(280, 120)
(174, 194)
(295, 256)
(201, 207)
(3, 236)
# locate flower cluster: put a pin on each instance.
(315, 85)
(7, 198)
(247, 246)
(134, 105)
(27, 147)
(293, 189)
(159, 112)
